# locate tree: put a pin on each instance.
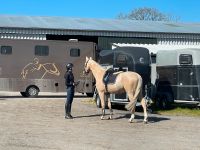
(150, 14)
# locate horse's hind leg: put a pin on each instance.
(102, 98)
(110, 108)
(132, 114)
(131, 98)
(143, 102)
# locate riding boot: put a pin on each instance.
(70, 106)
(68, 111)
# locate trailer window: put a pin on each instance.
(121, 59)
(74, 52)
(6, 50)
(41, 50)
(185, 59)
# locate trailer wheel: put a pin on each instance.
(90, 94)
(23, 94)
(164, 100)
(32, 91)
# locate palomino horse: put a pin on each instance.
(129, 82)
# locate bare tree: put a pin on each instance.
(150, 14)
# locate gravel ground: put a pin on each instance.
(39, 124)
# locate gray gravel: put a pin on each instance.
(39, 124)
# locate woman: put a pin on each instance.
(69, 82)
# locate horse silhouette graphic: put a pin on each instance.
(47, 68)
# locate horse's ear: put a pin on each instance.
(86, 58)
(90, 57)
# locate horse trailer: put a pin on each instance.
(30, 66)
(175, 73)
(178, 76)
(135, 59)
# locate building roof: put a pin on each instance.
(65, 23)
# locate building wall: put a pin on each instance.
(106, 42)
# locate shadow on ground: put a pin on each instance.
(40, 96)
(151, 119)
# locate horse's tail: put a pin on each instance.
(138, 92)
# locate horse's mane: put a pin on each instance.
(97, 64)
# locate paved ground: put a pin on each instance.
(39, 124)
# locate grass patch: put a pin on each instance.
(180, 111)
(89, 101)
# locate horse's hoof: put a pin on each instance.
(102, 118)
(145, 122)
(110, 118)
(130, 120)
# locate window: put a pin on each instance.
(74, 52)
(41, 50)
(185, 59)
(121, 59)
(6, 50)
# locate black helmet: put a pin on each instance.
(69, 66)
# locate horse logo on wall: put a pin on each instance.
(43, 69)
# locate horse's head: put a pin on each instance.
(87, 66)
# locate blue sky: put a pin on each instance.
(187, 10)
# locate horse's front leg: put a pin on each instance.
(110, 107)
(103, 114)
(102, 98)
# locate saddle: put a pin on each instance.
(110, 77)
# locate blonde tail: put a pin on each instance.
(138, 91)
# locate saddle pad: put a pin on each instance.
(111, 79)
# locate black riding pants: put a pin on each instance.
(69, 100)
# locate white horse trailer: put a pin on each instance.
(178, 76)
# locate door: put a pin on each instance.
(187, 88)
